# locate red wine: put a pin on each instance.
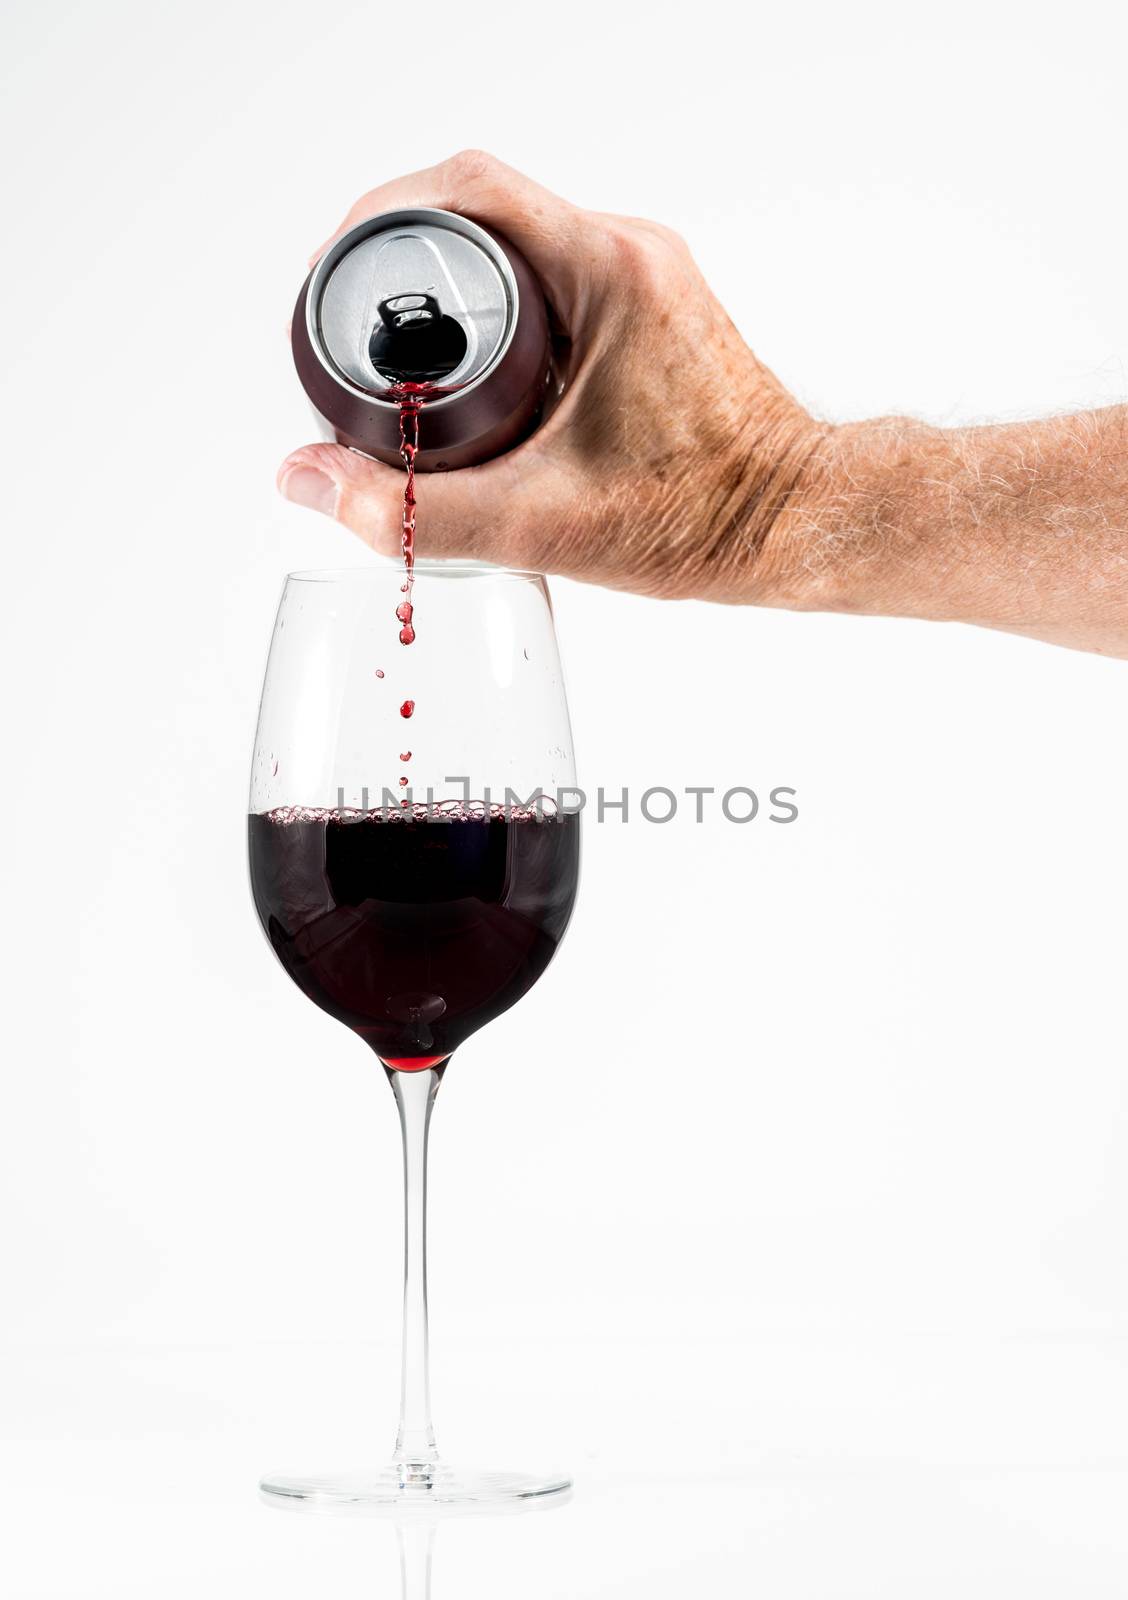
(414, 932)
(409, 405)
(411, 397)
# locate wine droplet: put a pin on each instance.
(379, 672)
(403, 783)
(407, 708)
(405, 755)
(407, 635)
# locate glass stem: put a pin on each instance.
(416, 1544)
(415, 1443)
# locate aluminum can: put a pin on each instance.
(424, 297)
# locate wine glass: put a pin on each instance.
(414, 866)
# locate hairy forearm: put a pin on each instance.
(1022, 527)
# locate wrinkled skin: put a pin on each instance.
(663, 466)
(676, 465)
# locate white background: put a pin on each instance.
(789, 1209)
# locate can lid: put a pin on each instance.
(412, 294)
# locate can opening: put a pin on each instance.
(414, 342)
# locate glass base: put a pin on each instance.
(422, 1489)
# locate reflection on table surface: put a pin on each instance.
(927, 1466)
(416, 1530)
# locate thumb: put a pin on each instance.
(500, 511)
(364, 495)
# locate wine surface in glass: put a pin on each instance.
(413, 931)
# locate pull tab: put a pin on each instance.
(408, 311)
(414, 342)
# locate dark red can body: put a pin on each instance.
(421, 281)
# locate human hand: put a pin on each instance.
(664, 465)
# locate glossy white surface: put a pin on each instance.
(845, 1469)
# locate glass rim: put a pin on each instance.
(424, 567)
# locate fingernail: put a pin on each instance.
(307, 486)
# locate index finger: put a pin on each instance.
(547, 230)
